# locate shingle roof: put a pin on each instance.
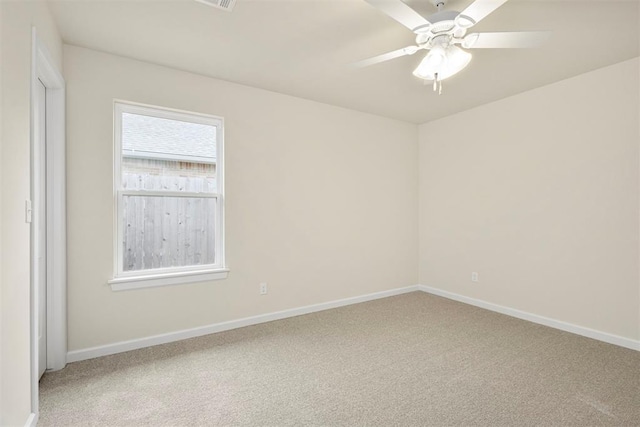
(153, 135)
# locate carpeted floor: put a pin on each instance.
(410, 360)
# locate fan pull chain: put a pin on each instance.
(437, 85)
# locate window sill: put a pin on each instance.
(156, 280)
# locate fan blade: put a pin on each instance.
(523, 39)
(480, 9)
(402, 13)
(409, 50)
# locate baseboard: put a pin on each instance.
(553, 323)
(120, 347)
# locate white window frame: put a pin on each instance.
(124, 280)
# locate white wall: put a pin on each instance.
(17, 18)
(321, 201)
(539, 194)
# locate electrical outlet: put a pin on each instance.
(263, 288)
(474, 277)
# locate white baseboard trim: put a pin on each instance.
(120, 347)
(32, 420)
(553, 323)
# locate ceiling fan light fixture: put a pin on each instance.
(432, 63)
(435, 67)
(457, 60)
(442, 33)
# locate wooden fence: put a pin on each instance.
(168, 231)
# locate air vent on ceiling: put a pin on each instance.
(220, 4)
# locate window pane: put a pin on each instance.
(165, 154)
(162, 232)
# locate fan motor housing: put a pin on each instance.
(441, 23)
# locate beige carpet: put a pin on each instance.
(409, 360)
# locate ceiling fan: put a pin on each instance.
(442, 32)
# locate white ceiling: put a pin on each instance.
(304, 47)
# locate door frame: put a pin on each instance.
(44, 69)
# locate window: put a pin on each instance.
(168, 182)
